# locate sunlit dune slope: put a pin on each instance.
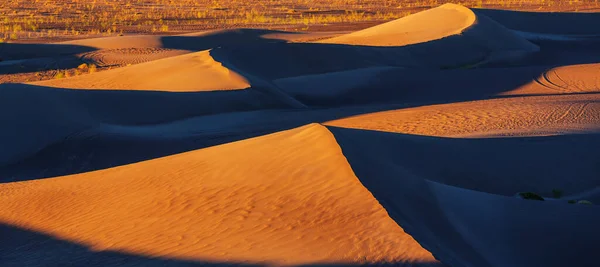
(126, 56)
(192, 72)
(428, 25)
(285, 198)
(515, 116)
(449, 20)
(572, 79)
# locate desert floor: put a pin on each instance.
(400, 144)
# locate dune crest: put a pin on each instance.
(186, 73)
(428, 25)
(286, 198)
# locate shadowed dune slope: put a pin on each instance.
(455, 195)
(482, 41)
(61, 114)
(190, 41)
(399, 85)
(187, 42)
(562, 23)
(285, 198)
(192, 72)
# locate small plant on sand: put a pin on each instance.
(556, 193)
(530, 196)
(91, 68)
(59, 75)
(585, 202)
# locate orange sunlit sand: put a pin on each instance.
(402, 144)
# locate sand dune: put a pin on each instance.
(190, 41)
(209, 148)
(572, 79)
(127, 56)
(432, 24)
(286, 198)
(449, 20)
(534, 115)
(62, 114)
(186, 73)
(482, 41)
(483, 225)
(573, 24)
(377, 85)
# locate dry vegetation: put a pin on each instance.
(59, 19)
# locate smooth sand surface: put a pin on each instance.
(186, 73)
(286, 198)
(267, 148)
(462, 208)
(559, 23)
(432, 24)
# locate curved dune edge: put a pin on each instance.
(572, 79)
(514, 116)
(429, 25)
(186, 73)
(190, 41)
(484, 41)
(285, 198)
(448, 28)
(65, 115)
(481, 226)
(128, 56)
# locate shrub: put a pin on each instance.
(556, 193)
(530, 196)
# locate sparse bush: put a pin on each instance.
(59, 75)
(556, 193)
(92, 68)
(530, 196)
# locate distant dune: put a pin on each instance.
(429, 25)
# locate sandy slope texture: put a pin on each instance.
(192, 72)
(285, 198)
(128, 56)
(455, 196)
(515, 116)
(572, 79)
